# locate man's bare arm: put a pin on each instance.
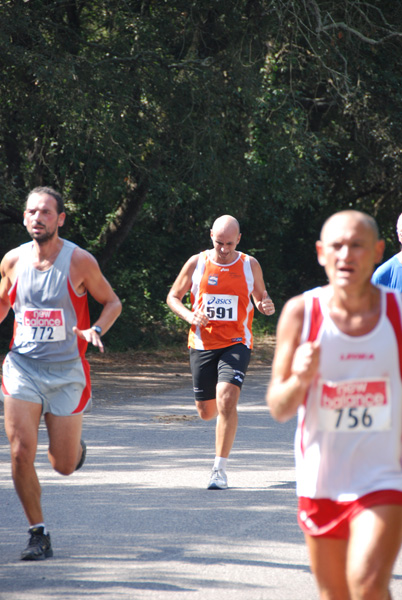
(179, 289)
(260, 295)
(87, 276)
(8, 269)
(295, 365)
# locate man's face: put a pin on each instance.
(225, 240)
(41, 217)
(348, 250)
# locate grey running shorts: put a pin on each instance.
(209, 367)
(62, 388)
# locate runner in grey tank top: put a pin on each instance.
(47, 308)
(47, 283)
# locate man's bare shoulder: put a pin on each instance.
(193, 259)
(81, 259)
(292, 316)
(253, 262)
(85, 272)
(190, 264)
(295, 306)
(9, 261)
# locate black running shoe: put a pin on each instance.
(39, 546)
(83, 455)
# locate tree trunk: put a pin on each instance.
(115, 233)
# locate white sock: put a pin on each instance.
(220, 463)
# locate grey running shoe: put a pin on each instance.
(39, 546)
(218, 480)
(83, 455)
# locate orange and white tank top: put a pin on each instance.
(224, 293)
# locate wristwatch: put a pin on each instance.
(97, 329)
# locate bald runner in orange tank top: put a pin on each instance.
(221, 282)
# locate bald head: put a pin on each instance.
(227, 224)
(225, 235)
(352, 217)
(349, 248)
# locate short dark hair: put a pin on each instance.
(51, 192)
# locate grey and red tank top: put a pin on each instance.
(46, 307)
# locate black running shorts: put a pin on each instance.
(210, 367)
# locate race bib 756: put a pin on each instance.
(355, 405)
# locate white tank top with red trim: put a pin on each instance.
(349, 437)
(224, 293)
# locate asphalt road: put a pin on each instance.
(137, 522)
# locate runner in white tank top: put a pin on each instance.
(352, 412)
(337, 365)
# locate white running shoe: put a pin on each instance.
(219, 480)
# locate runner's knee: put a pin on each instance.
(64, 465)
(207, 409)
(367, 583)
(22, 455)
(228, 396)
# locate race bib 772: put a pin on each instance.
(41, 325)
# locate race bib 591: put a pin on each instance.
(221, 307)
(354, 405)
(41, 325)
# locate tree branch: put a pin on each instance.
(361, 36)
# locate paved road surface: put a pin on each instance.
(138, 523)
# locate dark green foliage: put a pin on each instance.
(154, 117)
